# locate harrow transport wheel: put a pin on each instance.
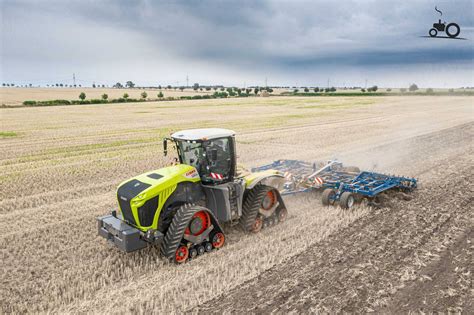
(181, 254)
(433, 32)
(260, 197)
(218, 240)
(347, 200)
(328, 196)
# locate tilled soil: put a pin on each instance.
(410, 256)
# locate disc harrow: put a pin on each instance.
(340, 185)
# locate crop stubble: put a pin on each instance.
(61, 171)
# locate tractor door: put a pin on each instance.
(220, 158)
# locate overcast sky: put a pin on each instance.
(304, 43)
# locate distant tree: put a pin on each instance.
(316, 90)
(105, 97)
(3, 84)
(451, 90)
(195, 86)
(80, 85)
(375, 88)
(229, 90)
(327, 90)
(208, 88)
(248, 91)
(200, 89)
(403, 90)
(306, 90)
(144, 95)
(333, 89)
(118, 85)
(413, 87)
(160, 95)
(125, 95)
(169, 87)
(103, 85)
(362, 90)
(159, 87)
(429, 91)
(295, 91)
(82, 96)
(129, 84)
(30, 85)
(255, 91)
(215, 88)
(222, 89)
(389, 90)
(93, 85)
(269, 90)
(75, 85)
(57, 84)
(181, 88)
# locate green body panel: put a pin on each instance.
(163, 187)
(255, 177)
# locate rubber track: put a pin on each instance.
(252, 205)
(176, 230)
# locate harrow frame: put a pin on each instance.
(304, 177)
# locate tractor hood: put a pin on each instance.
(142, 197)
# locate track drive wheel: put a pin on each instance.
(260, 199)
(328, 196)
(347, 200)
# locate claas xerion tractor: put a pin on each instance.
(182, 208)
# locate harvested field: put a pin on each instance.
(16, 96)
(60, 167)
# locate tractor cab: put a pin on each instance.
(211, 151)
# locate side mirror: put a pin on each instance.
(214, 155)
(165, 147)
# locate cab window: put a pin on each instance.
(218, 153)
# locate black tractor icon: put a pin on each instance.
(452, 29)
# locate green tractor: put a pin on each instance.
(182, 208)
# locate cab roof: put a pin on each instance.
(202, 134)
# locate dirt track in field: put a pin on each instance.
(61, 171)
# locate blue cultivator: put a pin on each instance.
(344, 185)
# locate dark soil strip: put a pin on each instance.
(369, 265)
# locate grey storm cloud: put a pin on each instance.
(233, 41)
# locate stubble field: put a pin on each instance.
(60, 167)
